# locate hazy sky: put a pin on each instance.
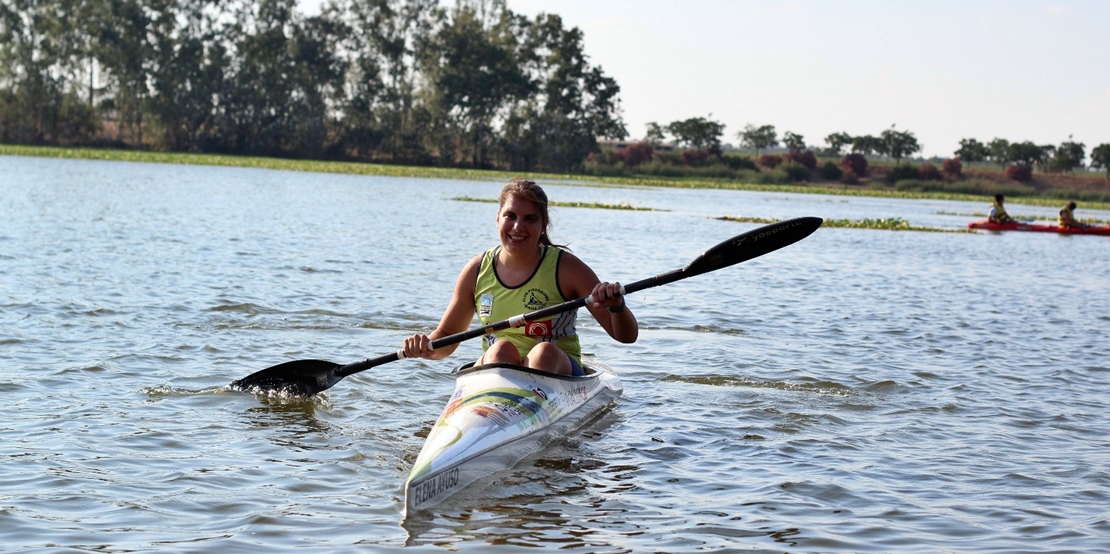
(944, 70)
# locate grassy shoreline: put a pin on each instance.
(427, 172)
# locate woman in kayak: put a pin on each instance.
(527, 272)
(998, 212)
(1067, 217)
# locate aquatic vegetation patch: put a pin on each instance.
(595, 205)
(882, 223)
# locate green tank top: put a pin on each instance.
(496, 302)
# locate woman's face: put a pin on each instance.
(519, 225)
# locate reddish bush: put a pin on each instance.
(694, 157)
(952, 169)
(805, 158)
(637, 153)
(1020, 172)
(855, 163)
(849, 177)
(928, 172)
(770, 161)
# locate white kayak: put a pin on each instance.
(498, 414)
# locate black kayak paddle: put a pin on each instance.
(308, 377)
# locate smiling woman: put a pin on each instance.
(525, 273)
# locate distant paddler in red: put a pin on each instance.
(998, 212)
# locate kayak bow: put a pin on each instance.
(498, 414)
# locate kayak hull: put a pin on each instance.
(1037, 228)
(498, 414)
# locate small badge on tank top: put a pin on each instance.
(485, 305)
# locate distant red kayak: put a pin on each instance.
(1016, 226)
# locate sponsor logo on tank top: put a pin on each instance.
(485, 305)
(535, 299)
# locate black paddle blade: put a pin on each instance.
(300, 377)
(753, 244)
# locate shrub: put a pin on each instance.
(794, 171)
(637, 153)
(902, 172)
(739, 162)
(928, 172)
(831, 171)
(805, 158)
(952, 169)
(770, 161)
(1021, 173)
(694, 157)
(669, 158)
(855, 163)
(849, 177)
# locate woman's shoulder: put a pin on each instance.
(576, 273)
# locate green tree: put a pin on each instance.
(758, 138)
(972, 150)
(384, 107)
(1100, 158)
(697, 132)
(123, 29)
(1069, 156)
(867, 145)
(574, 105)
(1026, 153)
(837, 142)
(284, 77)
(476, 68)
(999, 151)
(655, 135)
(44, 50)
(899, 144)
(187, 65)
(793, 141)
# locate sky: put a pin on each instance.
(943, 70)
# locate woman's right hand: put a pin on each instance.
(418, 346)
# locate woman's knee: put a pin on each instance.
(548, 357)
(501, 352)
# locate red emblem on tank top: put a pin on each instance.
(538, 329)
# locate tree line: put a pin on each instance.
(1068, 156)
(397, 81)
(705, 134)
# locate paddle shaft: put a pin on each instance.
(733, 251)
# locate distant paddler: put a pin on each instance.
(998, 211)
(1067, 217)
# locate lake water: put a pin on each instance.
(859, 391)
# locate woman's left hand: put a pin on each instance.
(607, 295)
